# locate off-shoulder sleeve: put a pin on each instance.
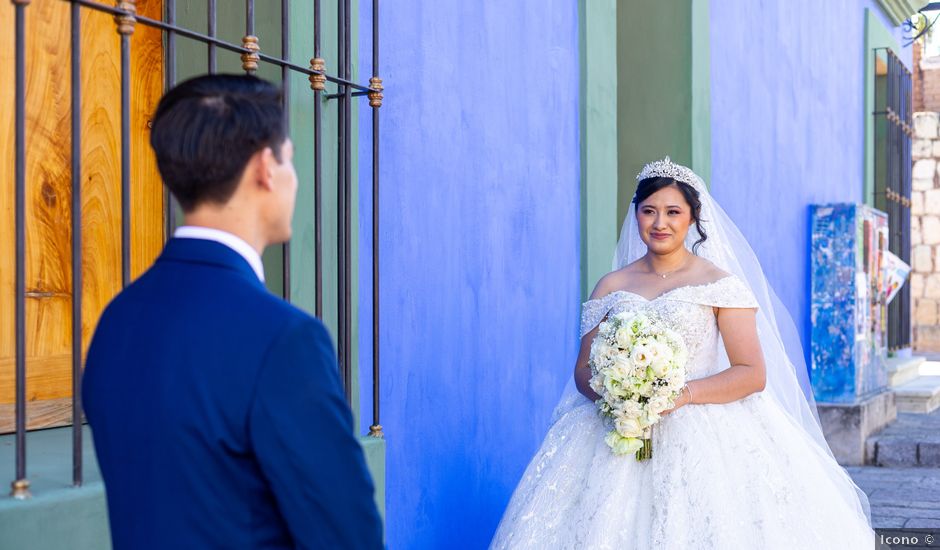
(592, 312)
(730, 292)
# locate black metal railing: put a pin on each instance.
(126, 18)
(894, 132)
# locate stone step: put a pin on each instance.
(903, 369)
(912, 440)
(930, 368)
(920, 395)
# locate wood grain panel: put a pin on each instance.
(44, 377)
(48, 198)
(7, 219)
(147, 77)
(41, 414)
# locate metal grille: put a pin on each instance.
(126, 18)
(893, 127)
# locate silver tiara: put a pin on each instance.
(667, 169)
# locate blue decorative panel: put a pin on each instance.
(848, 313)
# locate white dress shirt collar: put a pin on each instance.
(228, 239)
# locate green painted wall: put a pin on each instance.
(663, 102)
(701, 130)
(598, 119)
(303, 265)
(192, 59)
(73, 518)
(59, 515)
(899, 10)
(374, 450)
(659, 104)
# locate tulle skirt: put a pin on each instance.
(735, 475)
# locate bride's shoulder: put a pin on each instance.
(722, 289)
(611, 282)
(709, 271)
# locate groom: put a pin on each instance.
(217, 412)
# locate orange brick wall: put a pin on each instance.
(926, 82)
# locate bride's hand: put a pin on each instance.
(681, 401)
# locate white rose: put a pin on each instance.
(660, 367)
(623, 337)
(614, 383)
(598, 345)
(656, 405)
(614, 387)
(663, 350)
(639, 373)
(623, 363)
(602, 352)
(628, 427)
(675, 377)
(622, 445)
(629, 409)
(648, 418)
(641, 355)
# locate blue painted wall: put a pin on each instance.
(479, 252)
(787, 92)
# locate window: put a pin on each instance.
(892, 175)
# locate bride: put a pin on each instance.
(739, 461)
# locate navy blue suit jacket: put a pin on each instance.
(218, 416)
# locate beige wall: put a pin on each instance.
(925, 233)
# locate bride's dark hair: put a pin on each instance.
(649, 186)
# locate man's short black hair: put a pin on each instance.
(207, 128)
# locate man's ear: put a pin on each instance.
(262, 165)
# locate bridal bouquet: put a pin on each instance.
(638, 369)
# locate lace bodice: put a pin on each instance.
(686, 309)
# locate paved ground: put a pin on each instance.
(911, 440)
(905, 492)
(900, 496)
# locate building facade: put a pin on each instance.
(506, 194)
(510, 135)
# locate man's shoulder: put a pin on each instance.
(280, 307)
(228, 298)
(288, 321)
(298, 325)
(294, 326)
(299, 349)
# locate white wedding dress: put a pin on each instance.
(722, 476)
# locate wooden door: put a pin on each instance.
(48, 190)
